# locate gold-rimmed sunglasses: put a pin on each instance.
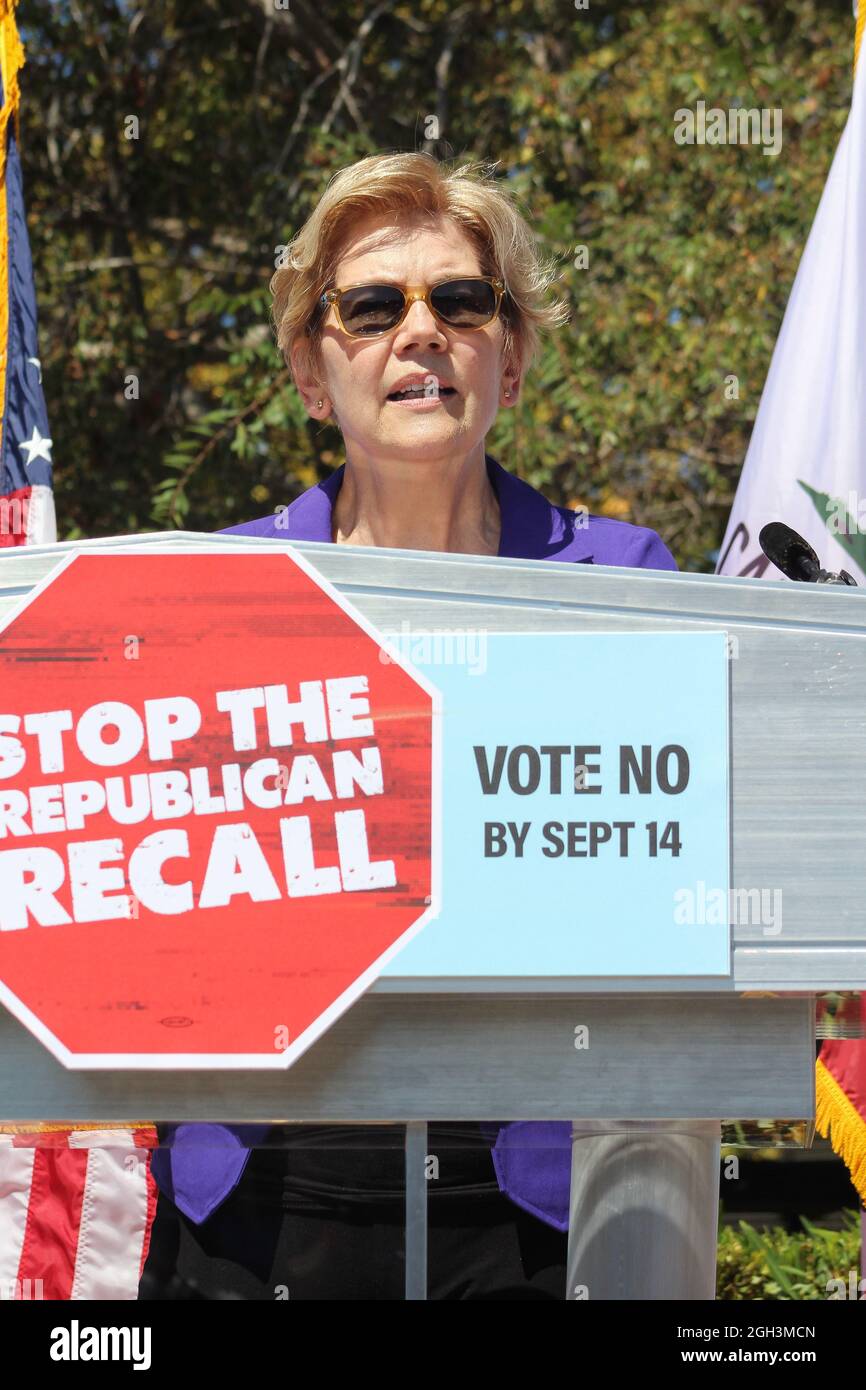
(368, 311)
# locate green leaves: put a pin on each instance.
(153, 256)
(776, 1264)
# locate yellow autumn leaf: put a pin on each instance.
(616, 506)
(204, 376)
(306, 474)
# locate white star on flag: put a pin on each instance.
(40, 448)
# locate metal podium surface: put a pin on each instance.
(691, 1051)
(433, 1057)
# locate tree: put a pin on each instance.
(169, 149)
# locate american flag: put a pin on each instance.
(26, 488)
(77, 1203)
(76, 1210)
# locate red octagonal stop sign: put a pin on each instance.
(218, 808)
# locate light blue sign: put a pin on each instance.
(585, 805)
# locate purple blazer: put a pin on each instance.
(202, 1163)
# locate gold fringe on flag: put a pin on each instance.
(64, 1137)
(839, 1120)
(44, 1127)
(11, 61)
(858, 32)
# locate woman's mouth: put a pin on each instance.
(421, 397)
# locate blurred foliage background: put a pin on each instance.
(153, 254)
(812, 1264)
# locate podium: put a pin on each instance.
(672, 1058)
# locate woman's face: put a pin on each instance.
(359, 373)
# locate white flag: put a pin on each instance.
(806, 461)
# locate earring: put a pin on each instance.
(320, 404)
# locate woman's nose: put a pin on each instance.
(420, 324)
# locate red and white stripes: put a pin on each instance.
(76, 1211)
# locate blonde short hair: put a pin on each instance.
(402, 185)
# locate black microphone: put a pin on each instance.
(795, 557)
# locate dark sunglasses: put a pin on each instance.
(367, 311)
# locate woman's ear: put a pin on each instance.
(510, 389)
(312, 392)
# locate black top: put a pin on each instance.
(324, 1167)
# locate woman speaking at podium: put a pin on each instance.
(409, 309)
